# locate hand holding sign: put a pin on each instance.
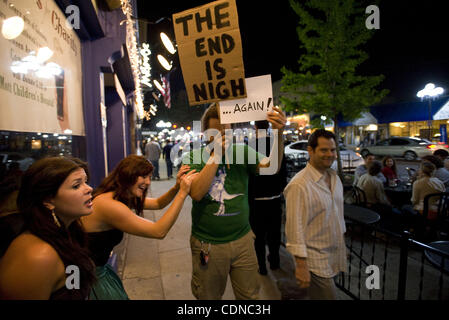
(277, 118)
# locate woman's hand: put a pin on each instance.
(183, 170)
(186, 181)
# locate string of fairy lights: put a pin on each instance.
(131, 44)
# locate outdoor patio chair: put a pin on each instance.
(359, 196)
(434, 225)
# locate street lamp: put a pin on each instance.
(430, 92)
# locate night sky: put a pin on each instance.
(409, 49)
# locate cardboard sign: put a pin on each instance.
(256, 105)
(210, 52)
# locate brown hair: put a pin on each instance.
(123, 177)
(384, 163)
(437, 162)
(40, 182)
(210, 113)
(313, 139)
(374, 168)
(427, 168)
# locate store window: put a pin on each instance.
(19, 150)
(41, 94)
(399, 142)
(385, 142)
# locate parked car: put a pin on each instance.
(350, 160)
(409, 148)
(9, 157)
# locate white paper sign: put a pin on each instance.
(254, 107)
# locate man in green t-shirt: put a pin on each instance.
(222, 243)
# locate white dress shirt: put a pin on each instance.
(315, 223)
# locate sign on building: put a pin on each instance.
(40, 71)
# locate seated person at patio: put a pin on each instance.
(441, 172)
(443, 155)
(426, 184)
(389, 168)
(376, 198)
(363, 168)
(373, 187)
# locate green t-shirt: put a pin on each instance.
(222, 215)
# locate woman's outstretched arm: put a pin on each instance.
(117, 215)
(166, 198)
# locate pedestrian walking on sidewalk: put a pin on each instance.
(124, 190)
(222, 243)
(315, 224)
(166, 155)
(153, 153)
(52, 198)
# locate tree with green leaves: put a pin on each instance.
(332, 34)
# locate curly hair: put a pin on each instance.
(123, 177)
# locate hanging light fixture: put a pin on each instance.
(164, 62)
(159, 86)
(167, 43)
(12, 27)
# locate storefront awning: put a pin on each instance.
(410, 111)
(366, 119)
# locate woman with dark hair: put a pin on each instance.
(52, 198)
(124, 190)
(389, 168)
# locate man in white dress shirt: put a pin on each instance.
(315, 224)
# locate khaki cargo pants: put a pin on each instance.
(236, 258)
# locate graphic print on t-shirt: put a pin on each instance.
(219, 194)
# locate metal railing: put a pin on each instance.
(399, 264)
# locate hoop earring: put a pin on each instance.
(55, 218)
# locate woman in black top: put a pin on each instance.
(53, 196)
(122, 191)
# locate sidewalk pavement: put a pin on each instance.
(154, 269)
